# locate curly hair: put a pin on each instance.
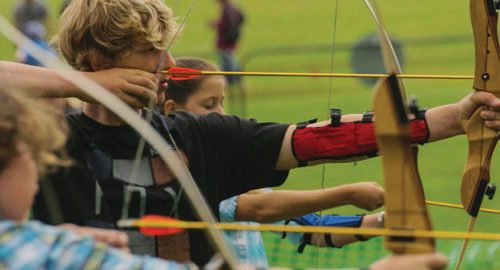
(109, 28)
(23, 120)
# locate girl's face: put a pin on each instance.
(18, 186)
(207, 98)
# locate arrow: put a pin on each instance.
(162, 223)
(181, 74)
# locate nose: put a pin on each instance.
(169, 61)
(220, 110)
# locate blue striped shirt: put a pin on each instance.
(248, 246)
(32, 245)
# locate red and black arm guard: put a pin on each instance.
(343, 141)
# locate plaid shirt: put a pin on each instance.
(32, 245)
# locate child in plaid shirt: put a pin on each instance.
(29, 138)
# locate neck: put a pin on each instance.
(102, 115)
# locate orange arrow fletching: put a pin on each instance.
(182, 74)
(161, 229)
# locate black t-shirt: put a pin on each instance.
(226, 155)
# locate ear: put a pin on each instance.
(169, 106)
(98, 61)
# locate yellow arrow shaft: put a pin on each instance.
(327, 75)
(458, 206)
(311, 229)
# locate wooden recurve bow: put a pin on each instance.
(482, 139)
(405, 201)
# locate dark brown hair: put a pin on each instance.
(180, 91)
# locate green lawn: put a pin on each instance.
(293, 23)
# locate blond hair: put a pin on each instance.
(23, 120)
(109, 28)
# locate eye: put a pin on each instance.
(209, 104)
(150, 50)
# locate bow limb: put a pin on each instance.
(135, 121)
(482, 139)
(405, 201)
(391, 62)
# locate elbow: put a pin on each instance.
(266, 216)
(262, 214)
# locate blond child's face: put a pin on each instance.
(18, 186)
(147, 57)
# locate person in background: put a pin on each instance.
(36, 32)
(27, 11)
(228, 33)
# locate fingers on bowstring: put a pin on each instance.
(140, 96)
(144, 79)
(137, 102)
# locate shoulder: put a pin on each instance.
(227, 209)
(183, 119)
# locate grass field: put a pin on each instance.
(294, 23)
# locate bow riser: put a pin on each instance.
(405, 207)
(482, 139)
(487, 49)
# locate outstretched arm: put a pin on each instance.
(445, 121)
(274, 206)
(135, 87)
(113, 238)
(442, 122)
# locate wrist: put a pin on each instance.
(348, 194)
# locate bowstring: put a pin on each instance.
(152, 108)
(329, 102)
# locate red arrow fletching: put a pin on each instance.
(182, 74)
(163, 230)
